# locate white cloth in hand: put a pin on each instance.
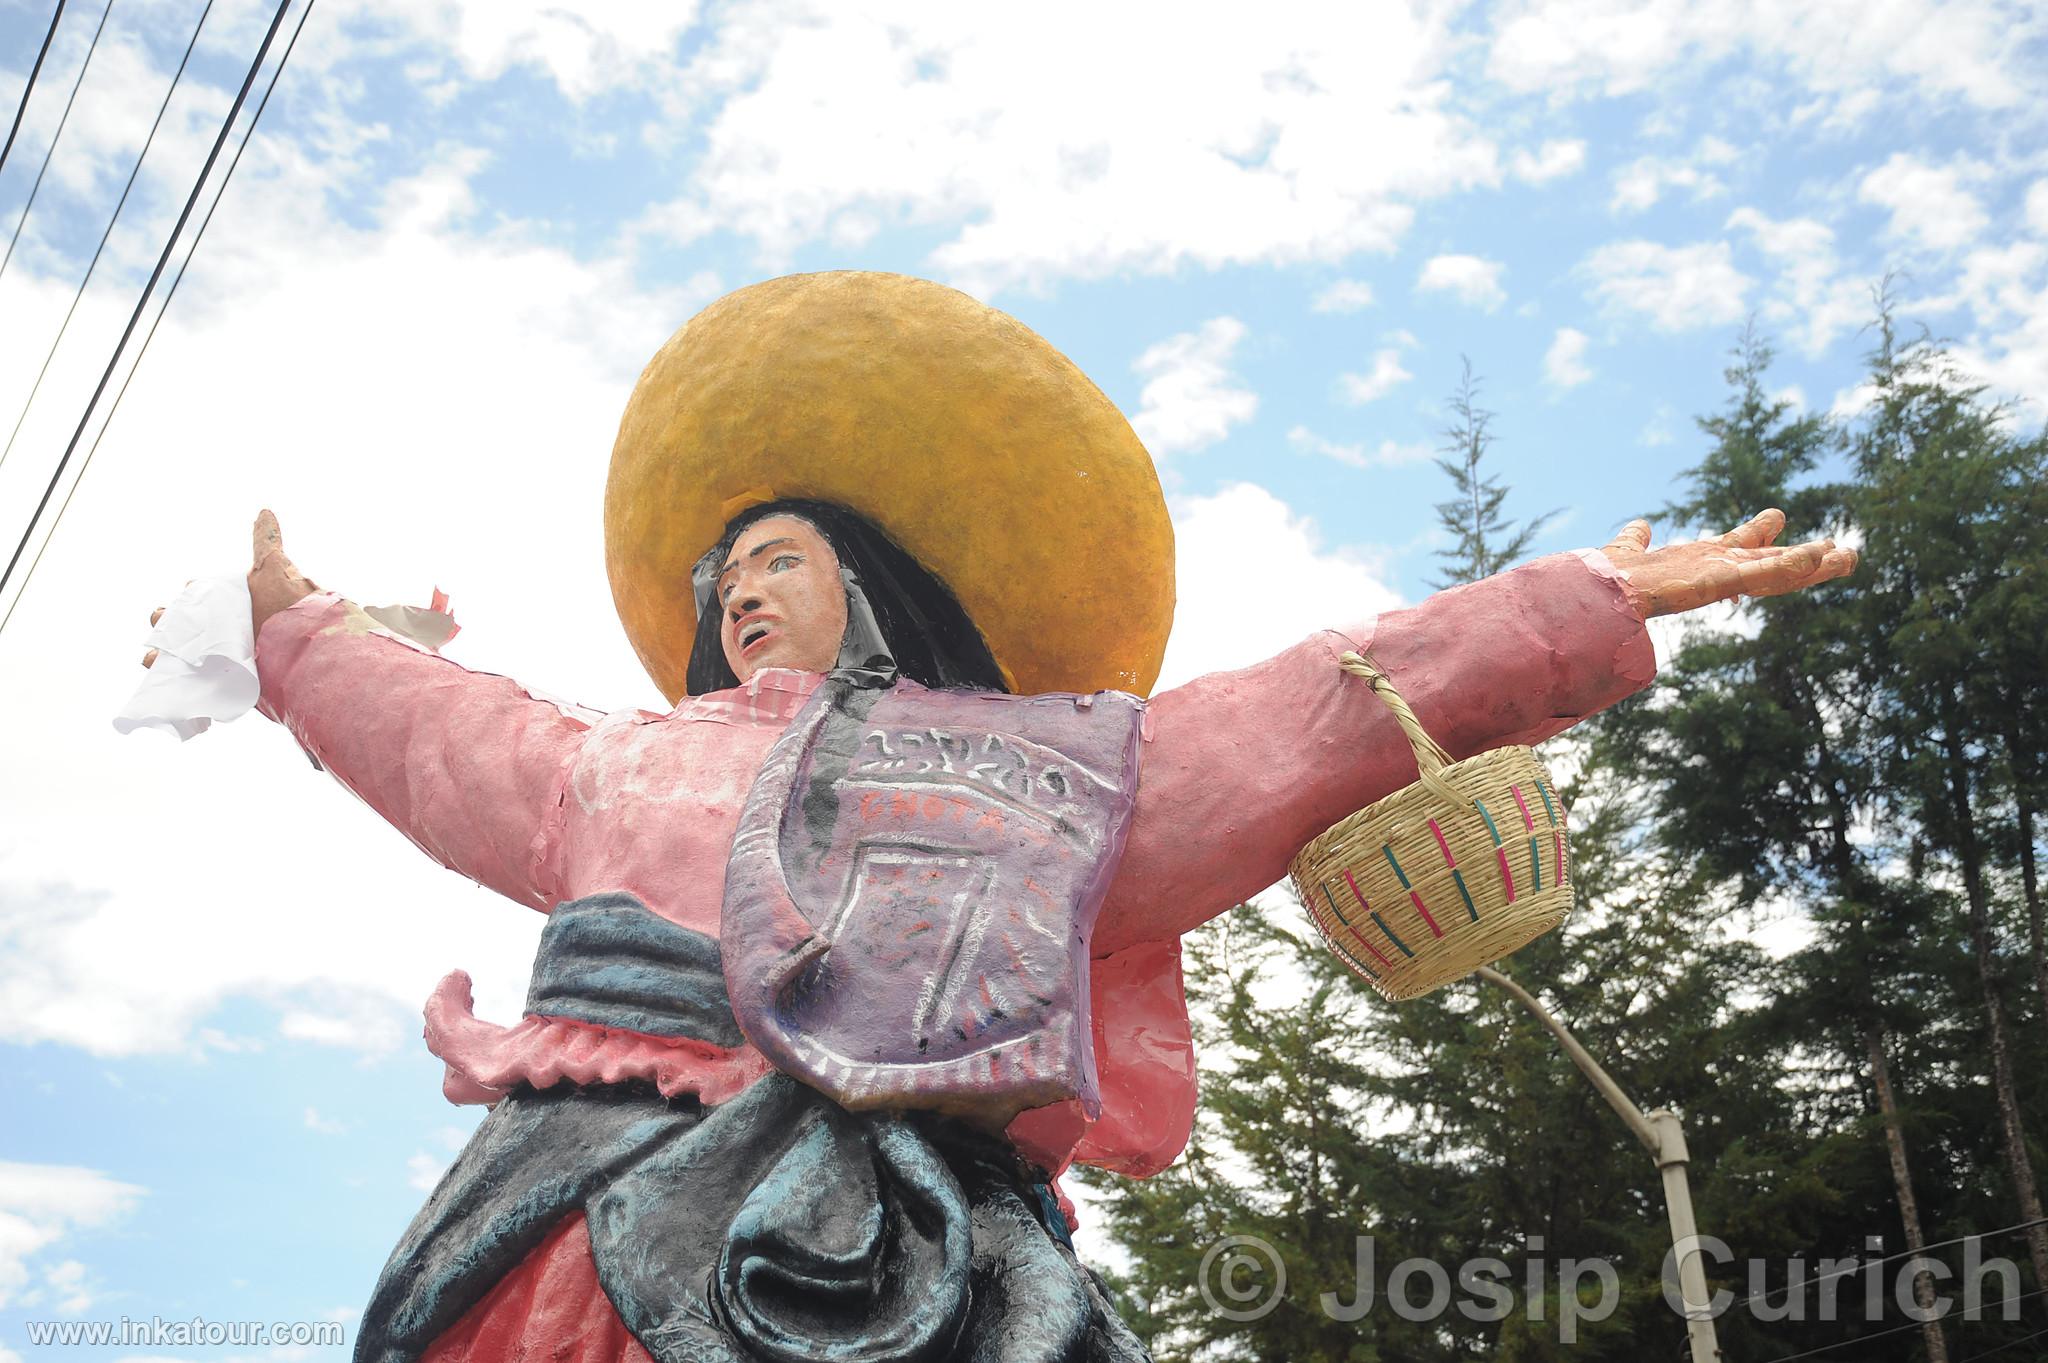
(205, 668)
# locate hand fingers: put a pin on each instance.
(1781, 573)
(1756, 532)
(266, 537)
(149, 658)
(1833, 564)
(1633, 538)
(156, 615)
(1727, 574)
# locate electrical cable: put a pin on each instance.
(227, 125)
(29, 88)
(1916, 1325)
(150, 335)
(1859, 1265)
(37, 387)
(22, 221)
(2001, 1348)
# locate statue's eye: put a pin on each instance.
(784, 562)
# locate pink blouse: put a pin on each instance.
(544, 801)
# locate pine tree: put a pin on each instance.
(1451, 1127)
(1941, 475)
(1483, 540)
(1766, 772)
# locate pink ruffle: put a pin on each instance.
(486, 1061)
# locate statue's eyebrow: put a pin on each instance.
(755, 552)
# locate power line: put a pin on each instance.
(1916, 1325)
(2003, 1347)
(192, 199)
(150, 335)
(1858, 1266)
(33, 72)
(37, 387)
(22, 221)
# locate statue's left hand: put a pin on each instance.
(1743, 562)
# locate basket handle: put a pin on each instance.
(1430, 758)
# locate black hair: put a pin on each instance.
(900, 619)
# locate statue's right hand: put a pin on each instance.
(275, 583)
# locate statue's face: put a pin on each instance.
(781, 601)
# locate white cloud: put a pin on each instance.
(2012, 356)
(1715, 152)
(68, 1281)
(1931, 206)
(326, 1126)
(1388, 453)
(1294, 133)
(1852, 402)
(1642, 182)
(599, 46)
(1346, 295)
(40, 1204)
(423, 1171)
(1551, 161)
(1469, 279)
(1793, 396)
(1811, 298)
(1677, 287)
(1657, 430)
(1254, 578)
(1385, 376)
(1191, 398)
(1840, 57)
(1999, 283)
(443, 450)
(1564, 364)
(2037, 208)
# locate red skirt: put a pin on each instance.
(548, 1308)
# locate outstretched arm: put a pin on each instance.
(1244, 768)
(469, 766)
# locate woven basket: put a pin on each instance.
(1463, 867)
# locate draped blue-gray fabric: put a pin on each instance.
(774, 1228)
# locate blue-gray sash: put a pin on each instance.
(777, 1226)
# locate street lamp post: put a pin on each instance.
(1661, 1135)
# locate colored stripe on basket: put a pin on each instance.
(1465, 894)
(1491, 830)
(1391, 937)
(1351, 959)
(1500, 855)
(1361, 941)
(1370, 913)
(1402, 876)
(1449, 860)
(1535, 856)
(1456, 876)
(1556, 830)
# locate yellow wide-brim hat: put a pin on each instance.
(962, 434)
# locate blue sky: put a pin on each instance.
(1269, 233)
